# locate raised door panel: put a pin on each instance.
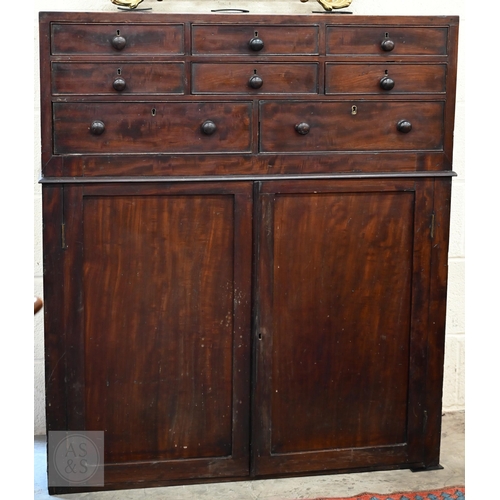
(160, 301)
(342, 271)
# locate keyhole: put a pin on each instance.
(256, 34)
(119, 71)
(153, 112)
(354, 110)
(387, 34)
(117, 32)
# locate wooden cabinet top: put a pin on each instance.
(157, 16)
(140, 93)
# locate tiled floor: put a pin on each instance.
(453, 474)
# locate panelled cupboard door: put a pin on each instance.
(343, 273)
(158, 339)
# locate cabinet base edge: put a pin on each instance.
(426, 469)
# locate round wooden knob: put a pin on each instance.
(97, 127)
(119, 84)
(118, 42)
(208, 127)
(386, 83)
(404, 126)
(302, 128)
(387, 45)
(256, 44)
(255, 82)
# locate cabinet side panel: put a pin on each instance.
(158, 275)
(53, 307)
(437, 321)
(342, 300)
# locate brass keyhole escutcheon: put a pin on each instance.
(354, 110)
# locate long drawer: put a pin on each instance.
(118, 78)
(350, 126)
(117, 39)
(172, 127)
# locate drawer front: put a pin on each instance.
(384, 78)
(254, 39)
(295, 78)
(350, 126)
(117, 39)
(194, 127)
(118, 78)
(389, 40)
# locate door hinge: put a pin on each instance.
(63, 226)
(433, 218)
(63, 235)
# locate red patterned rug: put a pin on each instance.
(454, 493)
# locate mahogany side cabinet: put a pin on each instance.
(246, 222)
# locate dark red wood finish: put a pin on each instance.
(341, 78)
(214, 78)
(152, 127)
(335, 376)
(407, 40)
(348, 125)
(245, 240)
(291, 39)
(158, 282)
(118, 78)
(97, 39)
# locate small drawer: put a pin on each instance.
(393, 40)
(117, 78)
(117, 39)
(293, 78)
(217, 39)
(384, 78)
(350, 126)
(173, 127)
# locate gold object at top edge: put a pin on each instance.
(334, 4)
(326, 4)
(131, 4)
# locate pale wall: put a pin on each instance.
(454, 397)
